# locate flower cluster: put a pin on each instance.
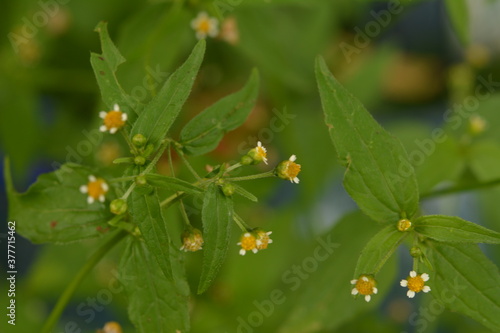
(366, 285)
(254, 241)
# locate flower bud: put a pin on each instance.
(288, 170)
(141, 180)
(404, 225)
(415, 252)
(139, 160)
(118, 206)
(228, 189)
(192, 240)
(139, 140)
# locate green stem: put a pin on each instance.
(184, 214)
(461, 188)
(233, 167)
(184, 159)
(239, 221)
(130, 144)
(162, 148)
(257, 176)
(70, 289)
(122, 179)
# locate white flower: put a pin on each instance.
(96, 189)
(416, 283)
(248, 242)
(205, 25)
(365, 285)
(112, 120)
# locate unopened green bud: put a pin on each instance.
(415, 252)
(148, 150)
(118, 206)
(139, 140)
(141, 180)
(228, 189)
(139, 160)
(246, 160)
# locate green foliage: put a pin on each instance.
(54, 210)
(145, 209)
(155, 303)
(454, 229)
(378, 250)
(204, 132)
(466, 281)
(172, 183)
(157, 117)
(379, 176)
(328, 290)
(217, 216)
(105, 66)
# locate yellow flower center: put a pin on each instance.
(416, 283)
(95, 189)
(248, 242)
(292, 169)
(204, 26)
(112, 327)
(114, 119)
(192, 242)
(263, 237)
(365, 287)
(404, 224)
(261, 152)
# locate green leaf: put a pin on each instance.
(484, 159)
(171, 183)
(443, 162)
(379, 176)
(105, 66)
(466, 281)
(156, 304)
(204, 132)
(459, 16)
(244, 193)
(54, 210)
(454, 229)
(157, 117)
(217, 218)
(378, 250)
(146, 212)
(326, 290)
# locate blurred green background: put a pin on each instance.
(407, 61)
